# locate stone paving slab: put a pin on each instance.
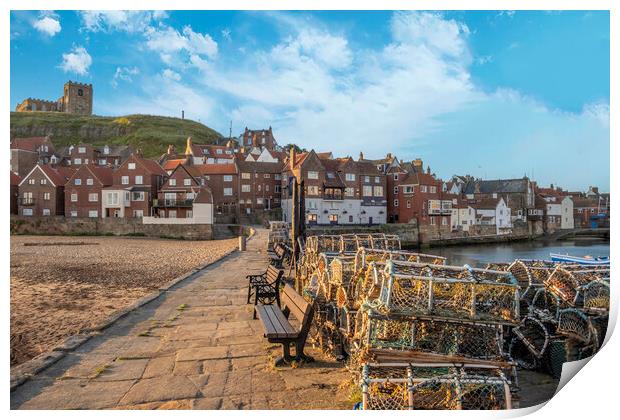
(194, 347)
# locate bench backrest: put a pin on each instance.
(273, 273)
(297, 305)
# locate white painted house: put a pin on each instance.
(463, 217)
(494, 211)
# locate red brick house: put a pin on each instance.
(41, 192)
(222, 180)
(15, 180)
(134, 187)
(176, 196)
(258, 138)
(26, 152)
(259, 185)
(83, 191)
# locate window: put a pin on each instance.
(367, 191)
(267, 176)
(227, 178)
(46, 196)
(73, 213)
(259, 188)
(227, 191)
(378, 190)
(433, 189)
(259, 200)
(43, 181)
(89, 181)
(172, 182)
(245, 188)
(137, 196)
(395, 177)
(218, 152)
(377, 180)
(138, 213)
(77, 181)
(333, 218)
(93, 213)
(444, 221)
(46, 212)
(313, 175)
(131, 166)
(189, 214)
(312, 190)
(245, 175)
(77, 161)
(27, 212)
(267, 188)
(125, 180)
(312, 218)
(408, 204)
(31, 181)
(408, 189)
(80, 92)
(74, 197)
(432, 221)
(349, 192)
(423, 188)
(350, 219)
(366, 179)
(113, 198)
(81, 149)
(395, 190)
(93, 197)
(86, 161)
(277, 177)
(349, 177)
(395, 203)
(187, 182)
(277, 188)
(139, 179)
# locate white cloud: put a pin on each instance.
(48, 25)
(77, 61)
(166, 40)
(119, 20)
(169, 74)
(124, 74)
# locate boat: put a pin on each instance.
(586, 260)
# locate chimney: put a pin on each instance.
(428, 169)
(139, 153)
(171, 150)
(388, 156)
(418, 165)
(188, 146)
(361, 156)
(292, 157)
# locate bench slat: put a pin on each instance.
(275, 323)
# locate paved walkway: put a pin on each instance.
(196, 346)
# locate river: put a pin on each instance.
(480, 255)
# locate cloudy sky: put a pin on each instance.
(492, 94)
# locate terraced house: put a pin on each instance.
(259, 185)
(134, 186)
(222, 179)
(41, 192)
(83, 191)
(337, 191)
(175, 199)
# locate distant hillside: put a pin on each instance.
(150, 133)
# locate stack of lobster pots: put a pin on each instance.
(565, 313)
(417, 333)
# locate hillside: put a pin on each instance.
(150, 133)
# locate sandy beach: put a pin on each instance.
(60, 285)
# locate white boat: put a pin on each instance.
(587, 260)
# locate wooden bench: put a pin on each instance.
(278, 328)
(277, 256)
(265, 287)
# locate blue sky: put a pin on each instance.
(495, 94)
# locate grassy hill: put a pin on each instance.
(150, 133)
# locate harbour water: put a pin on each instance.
(480, 255)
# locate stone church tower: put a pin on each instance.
(78, 98)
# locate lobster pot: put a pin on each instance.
(495, 299)
(323, 243)
(438, 337)
(596, 296)
(497, 266)
(445, 388)
(598, 326)
(364, 256)
(392, 242)
(529, 342)
(366, 241)
(563, 284)
(574, 324)
(342, 270)
(561, 350)
(545, 305)
(367, 287)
